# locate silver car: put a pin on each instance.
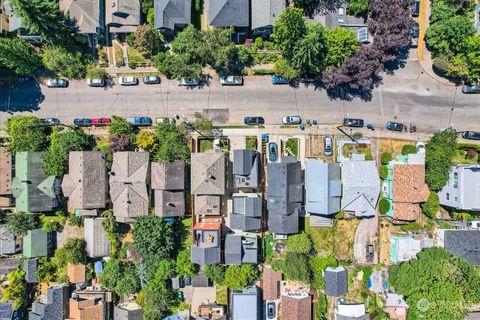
(291, 120)
(128, 81)
(56, 83)
(328, 146)
(189, 82)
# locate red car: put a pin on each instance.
(100, 121)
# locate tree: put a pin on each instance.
(122, 142)
(472, 53)
(16, 289)
(175, 66)
(449, 36)
(62, 142)
(455, 67)
(184, 267)
(408, 149)
(26, 134)
(299, 243)
(17, 54)
(341, 44)
(153, 238)
(284, 69)
(383, 172)
(66, 63)
(440, 151)
(357, 8)
(224, 53)
(129, 282)
(296, 267)
(204, 125)
(145, 140)
(318, 265)
(148, 40)
(238, 277)
(111, 273)
(172, 143)
(93, 72)
(19, 223)
(72, 252)
(288, 30)
(385, 158)
(215, 272)
(157, 302)
(383, 206)
(46, 270)
(432, 205)
(119, 126)
(319, 6)
(309, 54)
(112, 229)
(441, 11)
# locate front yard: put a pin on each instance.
(136, 58)
(349, 148)
(392, 146)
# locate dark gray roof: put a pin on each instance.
(85, 13)
(336, 281)
(246, 168)
(464, 244)
(6, 310)
(168, 176)
(172, 13)
(7, 241)
(227, 13)
(8, 264)
(285, 189)
(96, 240)
(30, 268)
(169, 203)
(128, 311)
(246, 213)
(52, 307)
(205, 256)
(283, 224)
(266, 12)
(241, 249)
(246, 305)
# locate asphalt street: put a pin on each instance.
(407, 96)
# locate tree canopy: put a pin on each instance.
(119, 126)
(26, 134)
(120, 276)
(238, 277)
(16, 289)
(310, 52)
(157, 302)
(440, 151)
(288, 30)
(63, 62)
(341, 44)
(17, 54)
(153, 238)
(299, 243)
(20, 222)
(172, 143)
(449, 36)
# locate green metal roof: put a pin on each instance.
(35, 244)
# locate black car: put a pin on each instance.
(151, 79)
(356, 123)
(254, 121)
(50, 121)
(395, 126)
(416, 8)
(471, 135)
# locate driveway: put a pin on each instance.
(365, 232)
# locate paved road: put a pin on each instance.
(408, 96)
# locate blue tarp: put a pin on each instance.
(98, 267)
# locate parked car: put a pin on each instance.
(271, 310)
(415, 32)
(369, 252)
(350, 122)
(140, 121)
(56, 83)
(395, 126)
(96, 82)
(291, 120)
(82, 122)
(272, 151)
(254, 121)
(416, 8)
(50, 121)
(471, 135)
(165, 120)
(280, 80)
(190, 82)
(328, 146)
(100, 121)
(471, 89)
(420, 147)
(151, 79)
(231, 80)
(127, 81)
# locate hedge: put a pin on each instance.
(383, 172)
(412, 226)
(408, 149)
(385, 157)
(383, 206)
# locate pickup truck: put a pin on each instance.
(231, 80)
(140, 121)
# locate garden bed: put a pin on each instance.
(291, 147)
(251, 142)
(350, 148)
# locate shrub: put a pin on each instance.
(471, 153)
(119, 126)
(385, 157)
(430, 207)
(132, 65)
(408, 149)
(441, 149)
(384, 206)
(383, 172)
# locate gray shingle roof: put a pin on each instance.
(241, 249)
(336, 281)
(205, 256)
(246, 213)
(128, 185)
(208, 173)
(86, 183)
(97, 244)
(283, 224)
(170, 14)
(246, 168)
(30, 268)
(128, 311)
(9, 264)
(323, 187)
(207, 205)
(52, 307)
(464, 244)
(122, 15)
(168, 176)
(266, 12)
(169, 203)
(85, 13)
(7, 241)
(206, 243)
(246, 305)
(227, 13)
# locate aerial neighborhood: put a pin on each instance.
(239, 159)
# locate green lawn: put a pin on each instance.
(461, 158)
(205, 145)
(222, 294)
(291, 147)
(322, 237)
(251, 142)
(135, 56)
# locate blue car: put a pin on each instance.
(140, 121)
(82, 122)
(280, 80)
(272, 151)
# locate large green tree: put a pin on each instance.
(16, 290)
(289, 29)
(172, 143)
(20, 222)
(153, 238)
(440, 151)
(120, 276)
(215, 272)
(119, 126)
(157, 302)
(341, 44)
(72, 252)
(309, 54)
(184, 267)
(441, 11)
(238, 277)
(148, 40)
(357, 7)
(472, 55)
(17, 54)
(449, 36)
(26, 134)
(65, 63)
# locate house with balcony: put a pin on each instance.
(206, 243)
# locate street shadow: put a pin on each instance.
(20, 96)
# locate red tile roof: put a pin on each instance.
(271, 283)
(294, 308)
(207, 226)
(409, 190)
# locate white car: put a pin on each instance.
(128, 81)
(291, 120)
(420, 147)
(96, 82)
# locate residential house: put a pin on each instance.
(462, 191)
(122, 16)
(34, 191)
(172, 14)
(241, 249)
(5, 177)
(9, 242)
(76, 273)
(207, 206)
(335, 281)
(128, 311)
(86, 309)
(296, 305)
(323, 188)
(206, 243)
(361, 186)
(128, 185)
(30, 267)
(341, 18)
(271, 283)
(463, 244)
(285, 193)
(168, 186)
(86, 183)
(354, 311)
(406, 247)
(9, 264)
(53, 306)
(37, 243)
(246, 212)
(397, 308)
(230, 13)
(246, 167)
(246, 304)
(97, 244)
(264, 15)
(208, 173)
(7, 312)
(84, 13)
(9, 22)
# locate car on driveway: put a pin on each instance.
(151, 79)
(327, 146)
(231, 80)
(355, 123)
(50, 121)
(420, 146)
(100, 121)
(56, 83)
(291, 120)
(395, 126)
(128, 81)
(271, 310)
(471, 89)
(272, 151)
(189, 82)
(254, 121)
(280, 80)
(471, 135)
(96, 82)
(140, 121)
(82, 122)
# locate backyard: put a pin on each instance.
(344, 238)
(322, 237)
